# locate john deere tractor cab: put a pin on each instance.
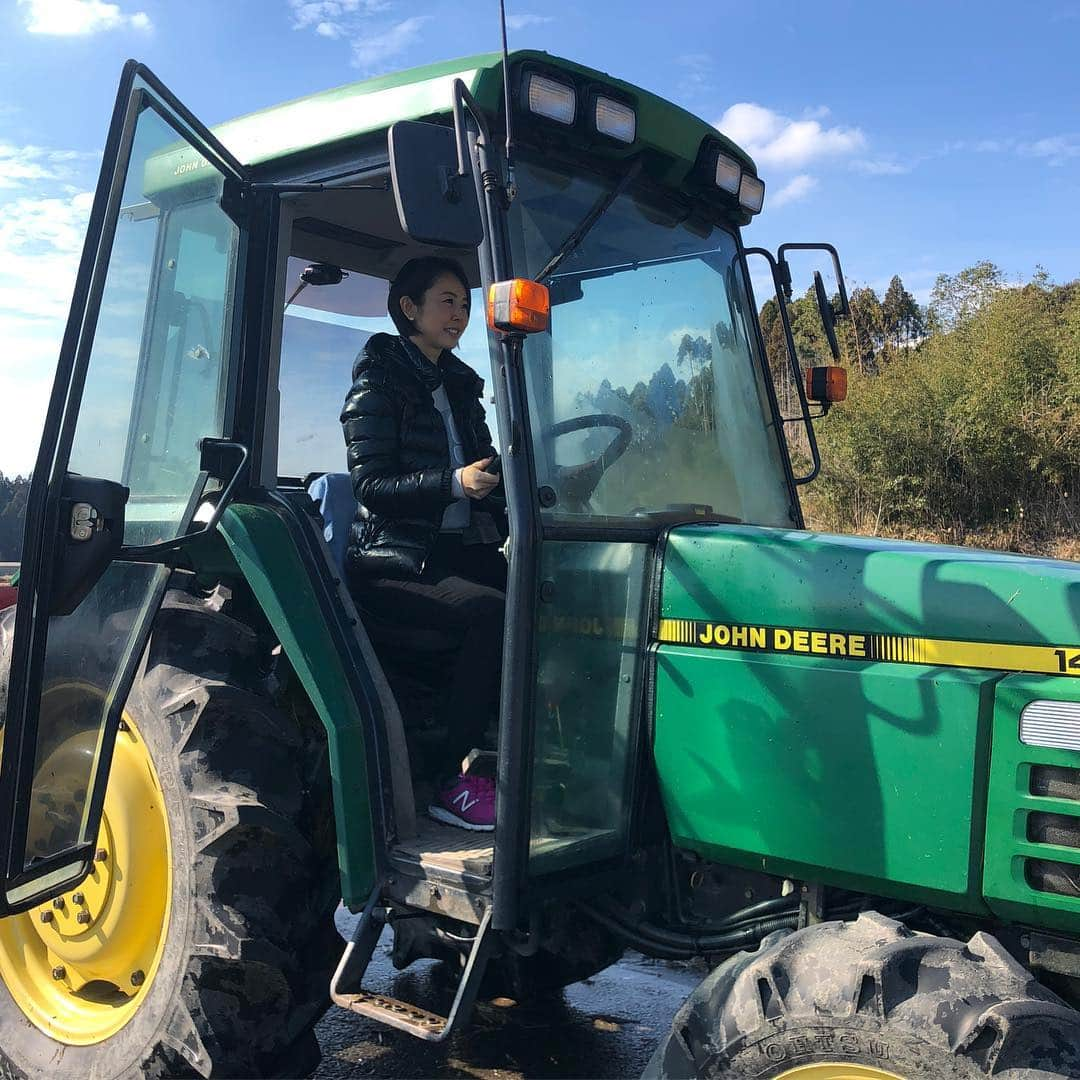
(820, 763)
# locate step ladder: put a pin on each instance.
(347, 992)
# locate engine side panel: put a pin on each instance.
(824, 705)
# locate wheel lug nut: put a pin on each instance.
(46, 916)
(58, 972)
(137, 978)
(58, 903)
(101, 855)
(78, 898)
(83, 917)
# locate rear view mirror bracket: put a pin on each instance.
(781, 273)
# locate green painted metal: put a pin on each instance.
(817, 770)
(327, 120)
(274, 567)
(778, 577)
(1007, 846)
(871, 775)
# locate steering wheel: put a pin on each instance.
(578, 482)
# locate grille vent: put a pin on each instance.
(1046, 875)
(1053, 877)
(1061, 829)
(1055, 782)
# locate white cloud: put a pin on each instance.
(522, 22)
(332, 18)
(697, 74)
(40, 241)
(775, 140)
(373, 49)
(79, 17)
(20, 164)
(676, 336)
(1055, 150)
(351, 20)
(798, 187)
(882, 167)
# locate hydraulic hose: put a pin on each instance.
(673, 945)
(741, 929)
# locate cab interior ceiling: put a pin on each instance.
(359, 231)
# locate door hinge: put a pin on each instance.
(236, 200)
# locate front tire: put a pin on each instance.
(248, 943)
(871, 999)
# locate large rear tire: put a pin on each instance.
(870, 999)
(246, 941)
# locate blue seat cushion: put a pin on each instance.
(334, 495)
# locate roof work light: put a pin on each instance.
(551, 98)
(728, 174)
(751, 193)
(616, 120)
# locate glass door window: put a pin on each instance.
(143, 378)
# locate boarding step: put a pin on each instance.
(347, 992)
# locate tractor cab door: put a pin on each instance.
(144, 379)
(648, 405)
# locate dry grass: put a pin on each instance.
(1049, 536)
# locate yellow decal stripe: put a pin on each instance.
(889, 648)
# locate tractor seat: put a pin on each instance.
(333, 494)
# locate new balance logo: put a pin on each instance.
(465, 804)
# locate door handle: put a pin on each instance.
(91, 525)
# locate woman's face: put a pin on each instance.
(442, 315)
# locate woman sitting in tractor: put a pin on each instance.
(424, 549)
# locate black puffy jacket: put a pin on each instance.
(399, 455)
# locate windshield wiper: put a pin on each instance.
(573, 241)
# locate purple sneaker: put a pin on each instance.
(469, 803)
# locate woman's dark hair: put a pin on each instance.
(413, 280)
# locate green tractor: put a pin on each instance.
(844, 771)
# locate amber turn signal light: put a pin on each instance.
(519, 306)
(826, 383)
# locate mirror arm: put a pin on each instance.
(793, 358)
(463, 98)
(781, 258)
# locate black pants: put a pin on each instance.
(462, 590)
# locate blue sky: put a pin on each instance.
(919, 138)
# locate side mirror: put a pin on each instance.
(828, 316)
(436, 203)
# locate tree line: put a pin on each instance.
(13, 493)
(963, 419)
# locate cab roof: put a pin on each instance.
(328, 119)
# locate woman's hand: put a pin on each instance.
(475, 482)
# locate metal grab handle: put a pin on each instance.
(153, 552)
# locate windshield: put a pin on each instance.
(647, 394)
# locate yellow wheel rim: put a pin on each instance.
(80, 966)
(837, 1070)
